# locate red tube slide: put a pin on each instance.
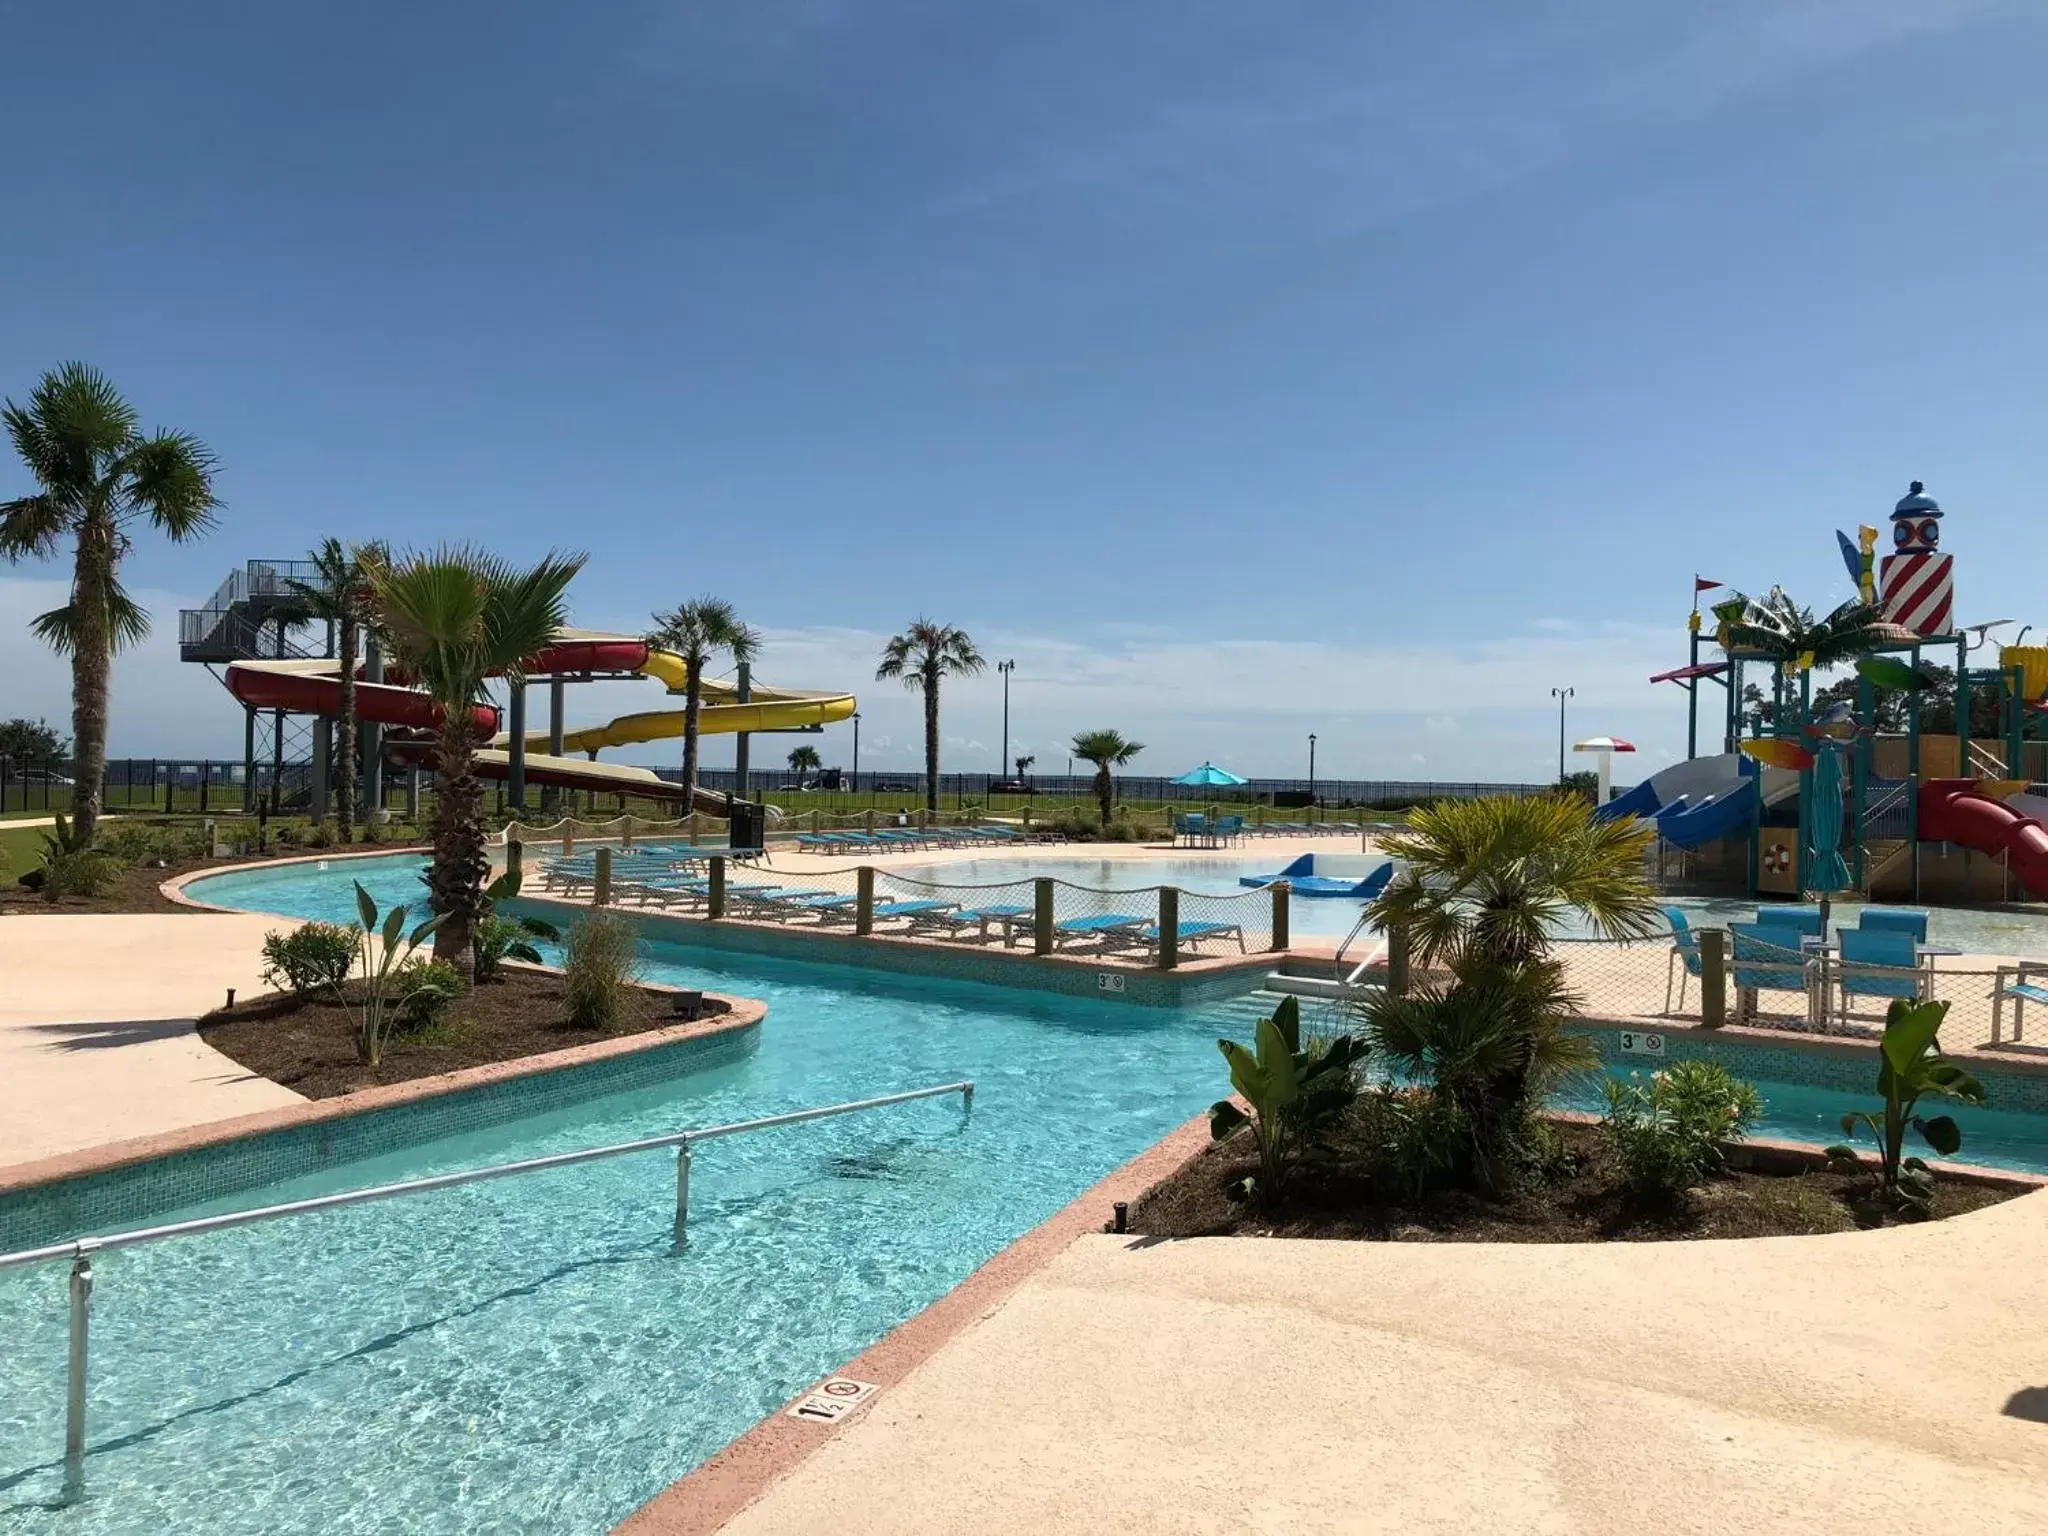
(314, 688)
(1951, 811)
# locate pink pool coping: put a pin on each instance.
(706, 1498)
(741, 1014)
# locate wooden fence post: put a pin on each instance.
(715, 905)
(1397, 961)
(601, 892)
(1713, 977)
(1169, 927)
(1283, 893)
(1041, 924)
(864, 900)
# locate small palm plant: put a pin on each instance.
(1910, 1067)
(698, 631)
(100, 475)
(920, 658)
(456, 618)
(338, 595)
(804, 761)
(385, 950)
(1106, 750)
(1494, 879)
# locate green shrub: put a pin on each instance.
(141, 844)
(1415, 1141)
(1666, 1132)
(1910, 1066)
(74, 865)
(313, 958)
(1294, 1093)
(320, 835)
(600, 965)
(424, 990)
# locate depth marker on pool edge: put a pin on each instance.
(833, 1400)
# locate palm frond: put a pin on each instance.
(72, 432)
(169, 479)
(1105, 748)
(32, 526)
(126, 623)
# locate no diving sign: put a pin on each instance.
(833, 1400)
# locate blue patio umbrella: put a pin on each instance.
(1209, 776)
(1827, 872)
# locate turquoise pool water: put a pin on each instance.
(535, 1355)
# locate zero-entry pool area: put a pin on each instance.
(1996, 931)
(536, 1354)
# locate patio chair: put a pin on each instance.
(1895, 920)
(1804, 920)
(2024, 983)
(1877, 962)
(1229, 829)
(1768, 959)
(1685, 950)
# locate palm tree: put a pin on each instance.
(802, 761)
(1491, 881)
(920, 657)
(1791, 636)
(697, 631)
(99, 475)
(337, 595)
(454, 619)
(1106, 750)
(1024, 763)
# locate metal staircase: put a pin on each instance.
(252, 617)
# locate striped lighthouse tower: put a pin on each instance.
(1919, 580)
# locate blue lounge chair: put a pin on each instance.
(1879, 962)
(1895, 920)
(2019, 984)
(1104, 927)
(1193, 934)
(1768, 959)
(1685, 948)
(911, 909)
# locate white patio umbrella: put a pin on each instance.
(1606, 747)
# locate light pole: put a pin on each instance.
(1006, 668)
(1561, 694)
(1311, 770)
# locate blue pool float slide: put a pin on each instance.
(1358, 876)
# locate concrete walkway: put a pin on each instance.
(96, 1037)
(1782, 1385)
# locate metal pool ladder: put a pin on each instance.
(80, 1250)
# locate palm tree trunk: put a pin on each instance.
(345, 729)
(456, 879)
(1103, 791)
(693, 715)
(92, 665)
(931, 742)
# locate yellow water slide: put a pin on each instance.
(767, 709)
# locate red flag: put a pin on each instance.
(1701, 584)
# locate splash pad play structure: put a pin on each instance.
(248, 628)
(1922, 783)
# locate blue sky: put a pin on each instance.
(1241, 370)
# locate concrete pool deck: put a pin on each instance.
(1776, 1385)
(96, 1027)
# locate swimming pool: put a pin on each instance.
(1983, 932)
(534, 1354)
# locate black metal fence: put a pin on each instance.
(203, 784)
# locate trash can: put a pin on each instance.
(748, 825)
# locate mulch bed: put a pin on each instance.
(308, 1044)
(1584, 1203)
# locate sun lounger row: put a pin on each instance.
(902, 839)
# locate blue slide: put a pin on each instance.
(1693, 803)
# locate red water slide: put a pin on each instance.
(1951, 811)
(314, 687)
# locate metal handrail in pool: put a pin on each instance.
(80, 1250)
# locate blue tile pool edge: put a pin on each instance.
(137, 1182)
